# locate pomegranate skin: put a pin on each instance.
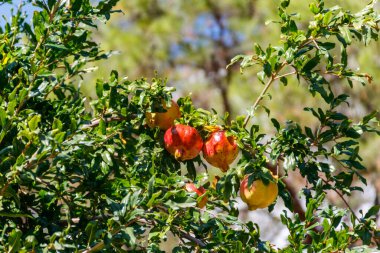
(183, 142)
(220, 150)
(259, 195)
(164, 120)
(190, 187)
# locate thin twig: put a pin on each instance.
(5, 187)
(261, 96)
(270, 81)
(274, 77)
(97, 247)
(192, 239)
(315, 43)
(100, 245)
(287, 74)
(96, 122)
(343, 199)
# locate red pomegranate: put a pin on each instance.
(220, 150)
(184, 142)
(190, 187)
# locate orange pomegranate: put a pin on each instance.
(220, 150)
(259, 195)
(190, 187)
(184, 142)
(164, 120)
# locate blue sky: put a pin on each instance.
(5, 10)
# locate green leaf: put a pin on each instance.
(102, 127)
(309, 132)
(326, 45)
(373, 211)
(313, 8)
(267, 69)
(275, 124)
(285, 195)
(284, 80)
(369, 117)
(312, 63)
(191, 170)
(346, 34)
(327, 18)
(91, 229)
(38, 24)
(33, 122)
(313, 205)
(30, 241)
(15, 215)
(153, 198)
(57, 124)
(99, 88)
(60, 137)
(261, 76)
(285, 3)
(56, 46)
(289, 55)
(3, 117)
(343, 59)
(107, 158)
(132, 240)
(14, 241)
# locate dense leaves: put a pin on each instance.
(84, 175)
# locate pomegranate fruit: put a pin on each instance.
(220, 150)
(190, 187)
(259, 195)
(184, 142)
(163, 120)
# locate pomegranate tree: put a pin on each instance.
(164, 120)
(184, 142)
(220, 150)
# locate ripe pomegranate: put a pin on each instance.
(163, 120)
(220, 150)
(190, 187)
(259, 195)
(184, 142)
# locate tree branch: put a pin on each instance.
(270, 81)
(343, 199)
(100, 245)
(287, 74)
(96, 122)
(193, 239)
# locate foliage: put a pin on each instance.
(86, 176)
